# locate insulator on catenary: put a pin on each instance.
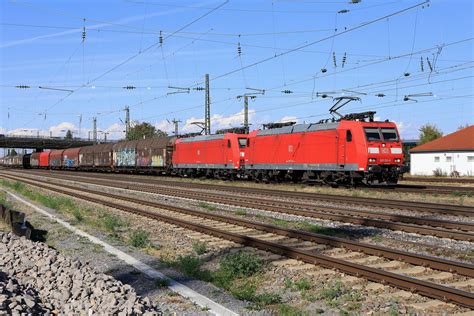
(406, 74)
(344, 59)
(161, 38)
(83, 33)
(380, 95)
(334, 59)
(129, 87)
(429, 64)
(323, 70)
(287, 91)
(239, 49)
(199, 89)
(421, 64)
(22, 87)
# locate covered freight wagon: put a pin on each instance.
(103, 158)
(97, 157)
(56, 158)
(154, 154)
(44, 159)
(124, 154)
(26, 161)
(218, 154)
(71, 158)
(86, 157)
(35, 160)
(17, 161)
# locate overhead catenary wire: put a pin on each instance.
(345, 31)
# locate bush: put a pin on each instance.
(139, 238)
(191, 266)
(199, 247)
(240, 264)
(112, 222)
(78, 215)
(245, 291)
(302, 285)
(162, 282)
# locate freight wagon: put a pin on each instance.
(70, 158)
(154, 155)
(56, 159)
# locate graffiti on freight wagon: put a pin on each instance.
(125, 157)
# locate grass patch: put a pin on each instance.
(287, 310)
(139, 238)
(112, 222)
(241, 212)
(281, 222)
(199, 247)
(78, 215)
(346, 299)
(191, 266)
(303, 285)
(377, 238)
(236, 265)
(247, 291)
(160, 282)
(207, 206)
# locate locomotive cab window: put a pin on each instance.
(372, 134)
(348, 136)
(389, 134)
(228, 143)
(242, 142)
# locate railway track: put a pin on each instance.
(439, 180)
(433, 208)
(426, 189)
(432, 227)
(440, 278)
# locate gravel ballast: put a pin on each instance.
(37, 279)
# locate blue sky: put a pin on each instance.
(41, 45)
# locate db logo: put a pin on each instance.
(384, 150)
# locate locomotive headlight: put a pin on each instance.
(398, 160)
(372, 160)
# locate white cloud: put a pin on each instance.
(285, 119)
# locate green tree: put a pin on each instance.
(68, 134)
(144, 130)
(429, 132)
(13, 152)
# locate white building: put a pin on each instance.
(448, 155)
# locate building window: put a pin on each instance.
(436, 159)
(470, 158)
(448, 159)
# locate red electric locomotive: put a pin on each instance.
(219, 155)
(346, 151)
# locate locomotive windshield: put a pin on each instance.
(379, 134)
(372, 134)
(242, 142)
(389, 134)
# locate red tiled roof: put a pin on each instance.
(460, 140)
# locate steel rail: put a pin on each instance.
(405, 223)
(447, 209)
(373, 274)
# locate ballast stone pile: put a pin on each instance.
(38, 280)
